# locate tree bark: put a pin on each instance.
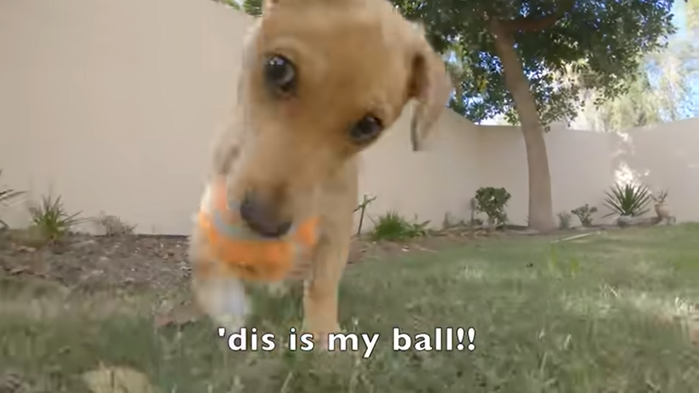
(540, 203)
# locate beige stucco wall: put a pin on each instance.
(664, 156)
(112, 105)
(578, 161)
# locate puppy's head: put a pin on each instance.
(321, 81)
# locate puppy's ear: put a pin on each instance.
(431, 86)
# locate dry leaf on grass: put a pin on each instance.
(117, 380)
(11, 382)
(18, 270)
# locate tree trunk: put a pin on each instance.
(540, 204)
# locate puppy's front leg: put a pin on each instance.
(320, 297)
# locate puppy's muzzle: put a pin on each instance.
(262, 218)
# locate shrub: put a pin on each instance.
(114, 226)
(628, 200)
(418, 229)
(564, 220)
(492, 202)
(392, 227)
(584, 214)
(51, 219)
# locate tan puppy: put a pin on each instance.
(320, 81)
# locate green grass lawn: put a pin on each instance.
(612, 312)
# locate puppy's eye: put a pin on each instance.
(366, 130)
(280, 74)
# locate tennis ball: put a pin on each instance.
(237, 259)
(245, 254)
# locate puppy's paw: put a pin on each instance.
(321, 337)
(224, 300)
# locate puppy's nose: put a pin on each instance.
(262, 217)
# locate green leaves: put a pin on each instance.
(51, 218)
(252, 7)
(492, 201)
(393, 227)
(584, 214)
(603, 39)
(231, 3)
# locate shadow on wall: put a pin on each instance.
(664, 156)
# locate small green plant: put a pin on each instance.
(564, 220)
(492, 201)
(391, 226)
(7, 194)
(51, 220)
(627, 200)
(418, 229)
(114, 226)
(661, 196)
(584, 214)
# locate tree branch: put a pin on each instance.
(531, 24)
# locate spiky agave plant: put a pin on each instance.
(627, 200)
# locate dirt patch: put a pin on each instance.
(90, 262)
(363, 249)
(160, 262)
